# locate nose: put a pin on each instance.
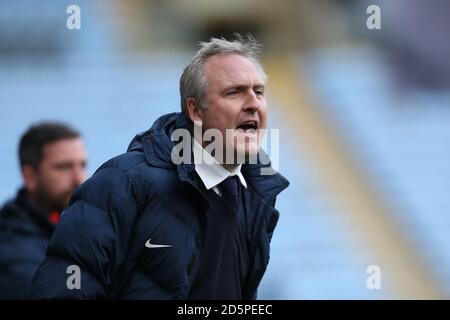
(252, 104)
(79, 175)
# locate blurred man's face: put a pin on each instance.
(61, 171)
(235, 100)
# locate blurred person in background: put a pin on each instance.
(52, 161)
(146, 227)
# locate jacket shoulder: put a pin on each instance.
(124, 162)
(12, 215)
(144, 180)
(135, 165)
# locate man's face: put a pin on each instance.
(61, 171)
(235, 100)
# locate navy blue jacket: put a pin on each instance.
(25, 231)
(142, 195)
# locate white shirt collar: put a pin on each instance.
(210, 170)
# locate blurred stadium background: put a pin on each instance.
(364, 119)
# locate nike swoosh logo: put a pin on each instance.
(150, 245)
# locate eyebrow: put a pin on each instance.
(68, 163)
(243, 86)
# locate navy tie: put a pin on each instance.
(229, 188)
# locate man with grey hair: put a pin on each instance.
(149, 226)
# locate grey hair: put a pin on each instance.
(193, 81)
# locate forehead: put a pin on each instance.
(64, 149)
(231, 69)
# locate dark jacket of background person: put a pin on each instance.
(142, 195)
(25, 231)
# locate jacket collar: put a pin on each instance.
(27, 209)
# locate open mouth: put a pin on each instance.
(248, 126)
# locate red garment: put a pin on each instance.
(54, 217)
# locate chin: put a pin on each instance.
(245, 153)
(64, 201)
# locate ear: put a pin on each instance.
(29, 175)
(195, 111)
